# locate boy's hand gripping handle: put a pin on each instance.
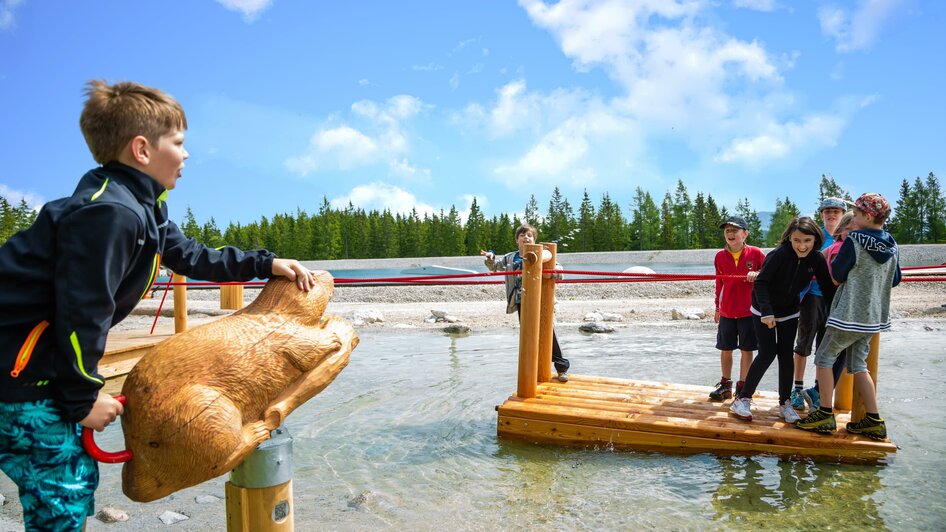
(88, 441)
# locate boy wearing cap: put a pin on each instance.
(813, 311)
(737, 265)
(867, 267)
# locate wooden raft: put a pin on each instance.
(627, 414)
(641, 415)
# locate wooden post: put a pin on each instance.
(844, 391)
(180, 303)
(259, 493)
(547, 318)
(529, 320)
(858, 412)
(231, 296)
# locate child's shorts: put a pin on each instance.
(811, 318)
(836, 341)
(736, 333)
(43, 455)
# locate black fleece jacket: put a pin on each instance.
(79, 270)
(777, 290)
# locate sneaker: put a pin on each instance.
(722, 392)
(741, 407)
(563, 376)
(875, 430)
(798, 399)
(787, 412)
(818, 421)
(813, 398)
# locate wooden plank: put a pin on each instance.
(542, 431)
(716, 427)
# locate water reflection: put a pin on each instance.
(804, 494)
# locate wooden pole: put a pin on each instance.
(547, 318)
(259, 493)
(231, 296)
(844, 391)
(180, 303)
(529, 320)
(872, 359)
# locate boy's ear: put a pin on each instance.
(140, 150)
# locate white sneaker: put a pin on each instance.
(742, 408)
(563, 377)
(787, 412)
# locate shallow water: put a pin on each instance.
(406, 439)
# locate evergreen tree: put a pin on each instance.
(703, 229)
(682, 209)
(667, 233)
(210, 234)
(785, 211)
(936, 210)
(532, 212)
(752, 221)
(650, 226)
(190, 227)
(475, 231)
(715, 218)
(585, 237)
(7, 220)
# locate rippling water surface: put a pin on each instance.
(406, 439)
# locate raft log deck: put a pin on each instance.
(628, 414)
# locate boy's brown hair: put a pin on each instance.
(524, 228)
(115, 114)
(807, 226)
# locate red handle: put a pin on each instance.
(88, 441)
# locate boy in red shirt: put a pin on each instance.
(733, 298)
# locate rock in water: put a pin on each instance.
(200, 402)
(595, 328)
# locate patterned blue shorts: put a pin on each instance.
(43, 455)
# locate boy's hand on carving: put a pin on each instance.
(105, 409)
(294, 271)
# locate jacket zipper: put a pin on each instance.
(26, 350)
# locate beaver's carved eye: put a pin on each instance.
(154, 444)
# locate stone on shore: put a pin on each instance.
(363, 316)
(687, 314)
(595, 328)
(111, 515)
(169, 517)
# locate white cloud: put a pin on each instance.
(429, 67)
(779, 140)
(454, 81)
(860, 29)
(466, 203)
(404, 169)
(7, 7)
(14, 197)
(756, 5)
(249, 8)
(382, 196)
(345, 147)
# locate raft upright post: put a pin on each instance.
(858, 411)
(231, 296)
(844, 391)
(547, 317)
(259, 492)
(529, 320)
(180, 303)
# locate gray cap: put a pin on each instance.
(833, 203)
(735, 221)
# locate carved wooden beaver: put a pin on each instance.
(201, 401)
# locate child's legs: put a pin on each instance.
(561, 363)
(767, 353)
(857, 366)
(785, 338)
(834, 343)
(727, 339)
(43, 455)
(811, 319)
(747, 344)
(725, 363)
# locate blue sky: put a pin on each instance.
(426, 104)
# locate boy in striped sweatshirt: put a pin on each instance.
(866, 268)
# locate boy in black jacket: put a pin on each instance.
(79, 270)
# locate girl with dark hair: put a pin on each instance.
(786, 271)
